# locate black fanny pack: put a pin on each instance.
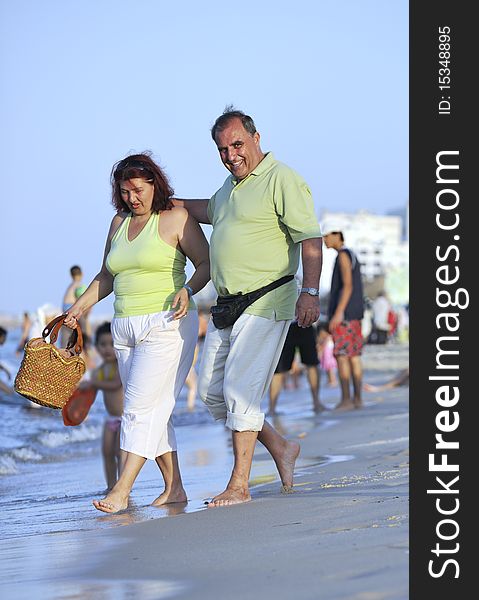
(229, 308)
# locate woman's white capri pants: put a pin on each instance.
(154, 354)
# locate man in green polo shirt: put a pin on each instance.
(263, 219)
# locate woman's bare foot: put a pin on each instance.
(170, 497)
(344, 406)
(231, 496)
(113, 503)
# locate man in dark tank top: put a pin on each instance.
(345, 311)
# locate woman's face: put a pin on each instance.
(138, 195)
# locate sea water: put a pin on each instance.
(50, 473)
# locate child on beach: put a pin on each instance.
(325, 346)
(107, 379)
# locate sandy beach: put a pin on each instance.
(342, 534)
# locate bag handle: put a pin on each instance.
(53, 328)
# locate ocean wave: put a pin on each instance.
(26, 454)
(83, 433)
(8, 466)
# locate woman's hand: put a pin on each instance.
(181, 300)
(73, 314)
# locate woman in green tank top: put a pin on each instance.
(155, 326)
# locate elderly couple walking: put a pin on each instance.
(263, 220)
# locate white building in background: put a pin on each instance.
(381, 244)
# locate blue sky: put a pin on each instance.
(85, 83)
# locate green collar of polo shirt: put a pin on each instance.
(260, 168)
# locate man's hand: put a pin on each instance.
(197, 208)
(307, 310)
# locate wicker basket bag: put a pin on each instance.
(48, 375)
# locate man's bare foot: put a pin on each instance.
(285, 463)
(344, 406)
(113, 503)
(170, 497)
(319, 408)
(230, 496)
(358, 404)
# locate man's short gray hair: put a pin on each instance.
(228, 115)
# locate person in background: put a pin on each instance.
(69, 298)
(155, 325)
(85, 318)
(106, 378)
(89, 353)
(346, 310)
(292, 379)
(402, 378)
(192, 379)
(203, 318)
(6, 389)
(393, 324)
(381, 327)
(325, 349)
(403, 324)
(40, 318)
(303, 339)
(24, 335)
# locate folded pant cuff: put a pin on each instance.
(239, 422)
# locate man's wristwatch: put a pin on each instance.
(310, 291)
(189, 290)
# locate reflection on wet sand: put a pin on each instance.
(199, 458)
(171, 510)
(107, 589)
(130, 515)
(299, 427)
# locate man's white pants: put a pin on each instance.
(154, 354)
(237, 365)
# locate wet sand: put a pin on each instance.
(342, 534)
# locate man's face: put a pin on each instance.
(239, 151)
